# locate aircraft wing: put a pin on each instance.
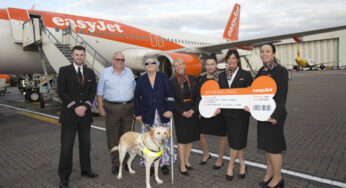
(254, 42)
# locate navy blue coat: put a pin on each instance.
(148, 99)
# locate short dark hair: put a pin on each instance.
(78, 48)
(211, 56)
(235, 52)
(271, 45)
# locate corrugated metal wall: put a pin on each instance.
(319, 51)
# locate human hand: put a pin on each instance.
(217, 111)
(191, 112)
(139, 118)
(185, 114)
(80, 111)
(167, 114)
(273, 121)
(246, 108)
(102, 111)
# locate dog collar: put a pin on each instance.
(151, 153)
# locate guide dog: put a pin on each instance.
(148, 145)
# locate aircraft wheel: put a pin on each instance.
(34, 96)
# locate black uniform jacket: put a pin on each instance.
(179, 96)
(280, 75)
(243, 79)
(73, 93)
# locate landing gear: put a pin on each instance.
(32, 95)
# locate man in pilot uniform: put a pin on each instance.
(77, 90)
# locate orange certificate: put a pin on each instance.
(258, 97)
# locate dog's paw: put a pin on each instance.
(159, 181)
(148, 186)
(132, 171)
(119, 176)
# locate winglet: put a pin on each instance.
(232, 28)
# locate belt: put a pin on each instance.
(125, 102)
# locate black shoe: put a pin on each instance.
(242, 176)
(189, 167)
(229, 178)
(115, 169)
(217, 167)
(89, 174)
(281, 184)
(205, 162)
(63, 183)
(186, 173)
(263, 183)
(165, 170)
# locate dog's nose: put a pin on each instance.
(163, 140)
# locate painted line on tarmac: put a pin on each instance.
(254, 164)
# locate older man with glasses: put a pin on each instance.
(115, 92)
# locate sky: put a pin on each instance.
(205, 17)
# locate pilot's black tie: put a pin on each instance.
(80, 77)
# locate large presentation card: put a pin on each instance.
(258, 97)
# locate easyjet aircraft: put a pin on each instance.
(107, 36)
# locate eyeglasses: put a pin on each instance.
(117, 59)
(147, 63)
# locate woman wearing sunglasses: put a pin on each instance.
(154, 100)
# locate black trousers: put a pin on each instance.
(68, 133)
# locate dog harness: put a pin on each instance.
(144, 150)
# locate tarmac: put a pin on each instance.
(315, 131)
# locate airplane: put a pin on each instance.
(104, 37)
(303, 64)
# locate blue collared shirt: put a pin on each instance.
(114, 87)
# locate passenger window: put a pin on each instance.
(57, 29)
(81, 31)
(146, 38)
(126, 36)
(121, 35)
(95, 33)
(102, 33)
(136, 37)
(142, 37)
(108, 34)
(115, 35)
(88, 31)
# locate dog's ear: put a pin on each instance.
(152, 132)
(169, 132)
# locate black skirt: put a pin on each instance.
(237, 132)
(213, 126)
(186, 129)
(270, 138)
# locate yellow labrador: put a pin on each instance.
(148, 145)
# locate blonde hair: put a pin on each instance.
(179, 60)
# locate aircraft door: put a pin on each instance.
(31, 32)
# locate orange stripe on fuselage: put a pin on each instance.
(109, 28)
(3, 14)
